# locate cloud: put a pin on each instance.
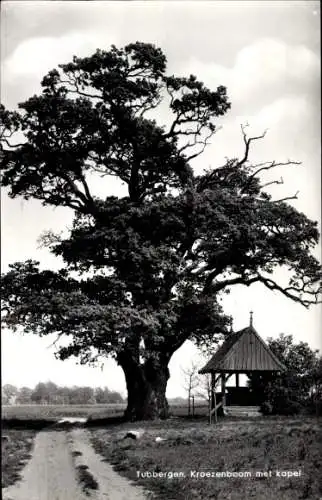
(289, 113)
(287, 121)
(270, 83)
(262, 72)
(292, 133)
(35, 56)
(270, 63)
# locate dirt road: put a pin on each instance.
(52, 472)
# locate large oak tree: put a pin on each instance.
(144, 272)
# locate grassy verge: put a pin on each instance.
(275, 447)
(16, 446)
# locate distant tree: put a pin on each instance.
(74, 396)
(105, 396)
(8, 394)
(287, 391)
(101, 395)
(115, 398)
(204, 388)
(191, 381)
(40, 394)
(44, 392)
(63, 395)
(160, 257)
(82, 395)
(24, 396)
(52, 392)
(88, 395)
(177, 401)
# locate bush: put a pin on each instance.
(266, 408)
(314, 406)
(290, 391)
(318, 408)
(287, 407)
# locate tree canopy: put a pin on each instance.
(299, 386)
(143, 272)
(50, 393)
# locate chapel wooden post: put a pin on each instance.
(211, 396)
(223, 392)
(213, 390)
(215, 405)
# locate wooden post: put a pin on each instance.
(223, 391)
(212, 405)
(211, 397)
(215, 400)
(237, 379)
(193, 406)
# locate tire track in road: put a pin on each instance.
(51, 472)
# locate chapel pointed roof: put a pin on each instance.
(244, 351)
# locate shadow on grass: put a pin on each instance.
(34, 424)
(104, 422)
(39, 424)
(52, 423)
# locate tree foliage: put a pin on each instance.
(8, 394)
(50, 393)
(298, 386)
(158, 259)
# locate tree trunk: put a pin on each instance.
(146, 387)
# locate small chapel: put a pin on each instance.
(242, 353)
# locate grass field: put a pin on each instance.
(16, 446)
(272, 446)
(54, 412)
(280, 457)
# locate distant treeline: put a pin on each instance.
(50, 393)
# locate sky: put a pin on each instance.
(267, 53)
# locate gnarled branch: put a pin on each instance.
(248, 141)
(294, 197)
